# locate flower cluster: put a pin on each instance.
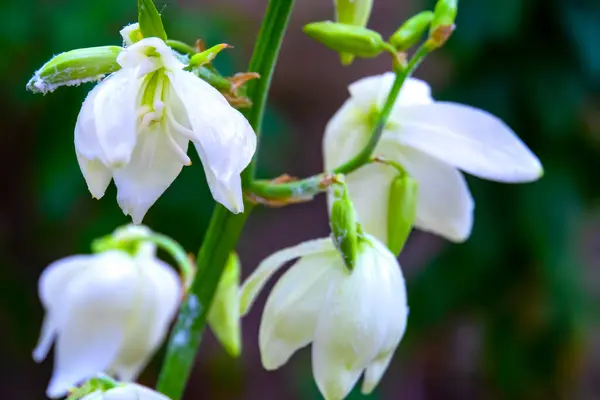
(394, 159)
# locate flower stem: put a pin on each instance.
(263, 62)
(313, 185)
(224, 228)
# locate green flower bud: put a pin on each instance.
(402, 210)
(443, 23)
(343, 224)
(224, 314)
(74, 68)
(445, 13)
(411, 31)
(207, 56)
(352, 12)
(149, 19)
(344, 38)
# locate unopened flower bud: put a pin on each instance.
(207, 56)
(444, 13)
(352, 12)
(150, 22)
(224, 314)
(343, 225)
(344, 38)
(411, 31)
(443, 22)
(402, 210)
(74, 68)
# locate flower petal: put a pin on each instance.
(157, 297)
(115, 117)
(371, 92)
(138, 58)
(369, 188)
(445, 206)
(51, 286)
(290, 315)
(96, 175)
(92, 317)
(223, 138)
(393, 291)
(350, 329)
(255, 282)
(154, 165)
(345, 134)
(470, 139)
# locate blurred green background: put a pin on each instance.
(511, 314)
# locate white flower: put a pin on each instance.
(135, 126)
(354, 319)
(107, 312)
(432, 140)
(127, 392)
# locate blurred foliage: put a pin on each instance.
(535, 64)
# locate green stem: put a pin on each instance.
(263, 60)
(313, 185)
(224, 228)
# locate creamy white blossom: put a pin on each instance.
(354, 320)
(130, 391)
(135, 126)
(107, 312)
(433, 141)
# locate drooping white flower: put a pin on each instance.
(107, 312)
(354, 320)
(130, 391)
(433, 141)
(135, 126)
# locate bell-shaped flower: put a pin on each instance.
(130, 391)
(135, 126)
(433, 141)
(107, 312)
(354, 319)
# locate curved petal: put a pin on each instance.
(115, 117)
(393, 290)
(154, 165)
(255, 282)
(345, 134)
(86, 140)
(157, 299)
(138, 57)
(97, 176)
(223, 138)
(290, 315)
(350, 329)
(369, 188)
(91, 320)
(470, 139)
(373, 91)
(445, 206)
(51, 288)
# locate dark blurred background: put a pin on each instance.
(511, 314)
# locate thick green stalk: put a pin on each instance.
(263, 59)
(310, 186)
(225, 228)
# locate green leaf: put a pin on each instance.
(150, 22)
